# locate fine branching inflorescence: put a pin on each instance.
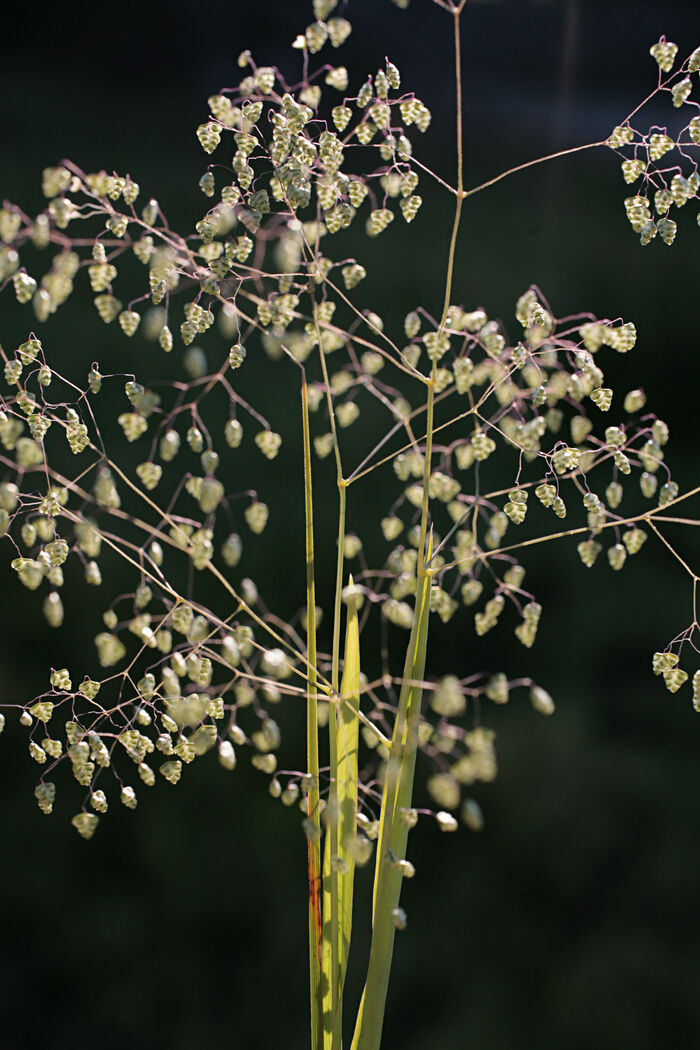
(496, 435)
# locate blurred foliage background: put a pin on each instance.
(572, 919)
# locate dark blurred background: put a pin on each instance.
(572, 920)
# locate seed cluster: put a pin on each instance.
(264, 281)
(666, 163)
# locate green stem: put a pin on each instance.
(314, 829)
(398, 784)
(335, 714)
(393, 836)
(339, 570)
(332, 893)
(449, 279)
(460, 167)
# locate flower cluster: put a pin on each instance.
(494, 431)
(666, 162)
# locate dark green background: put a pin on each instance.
(572, 920)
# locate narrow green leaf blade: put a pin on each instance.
(347, 739)
(313, 812)
(339, 861)
(393, 834)
(327, 947)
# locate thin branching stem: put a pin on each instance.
(529, 164)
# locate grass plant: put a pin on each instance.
(485, 435)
